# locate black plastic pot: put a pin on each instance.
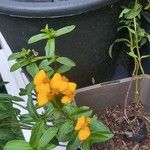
(146, 48)
(96, 23)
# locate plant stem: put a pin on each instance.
(139, 65)
(128, 91)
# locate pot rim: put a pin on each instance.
(50, 9)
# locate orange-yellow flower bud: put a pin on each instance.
(82, 127)
(55, 81)
(41, 78)
(65, 100)
(81, 122)
(71, 89)
(43, 88)
(84, 133)
(42, 98)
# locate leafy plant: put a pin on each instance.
(130, 20)
(9, 126)
(61, 120)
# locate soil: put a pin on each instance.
(123, 139)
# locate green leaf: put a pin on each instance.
(47, 136)
(17, 55)
(116, 41)
(129, 29)
(65, 61)
(48, 109)
(4, 114)
(18, 65)
(8, 98)
(70, 108)
(37, 38)
(63, 69)
(36, 134)
(6, 134)
(50, 47)
(126, 10)
(86, 145)
(132, 54)
(29, 88)
(74, 142)
(31, 108)
(148, 36)
(45, 63)
(84, 110)
(141, 32)
(98, 126)
(56, 114)
(145, 56)
(18, 145)
(101, 134)
(66, 128)
(46, 29)
(26, 118)
(134, 12)
(64, 30)
(32, 69)
(100, 137)
(147, 7)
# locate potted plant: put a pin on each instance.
(130, 124)
(87, 44)
(61, 119)
(9, 127)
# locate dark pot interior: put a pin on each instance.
(87, 45)
(146, 48)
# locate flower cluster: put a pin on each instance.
(47, 88)
(82, 127)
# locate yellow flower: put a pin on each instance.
(43, 88)
(84, 133)
(82, 127)
(41, 78)
(71, 89)
(60, 84)
(82, 122)
(66, 100)
(46, 89)
(43, 93)
(55, 81)
(42, 98)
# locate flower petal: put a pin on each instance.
(41, 78)
(42, 99)
(43, 88)
(65, 100)
(81, 122)
(84, 133)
